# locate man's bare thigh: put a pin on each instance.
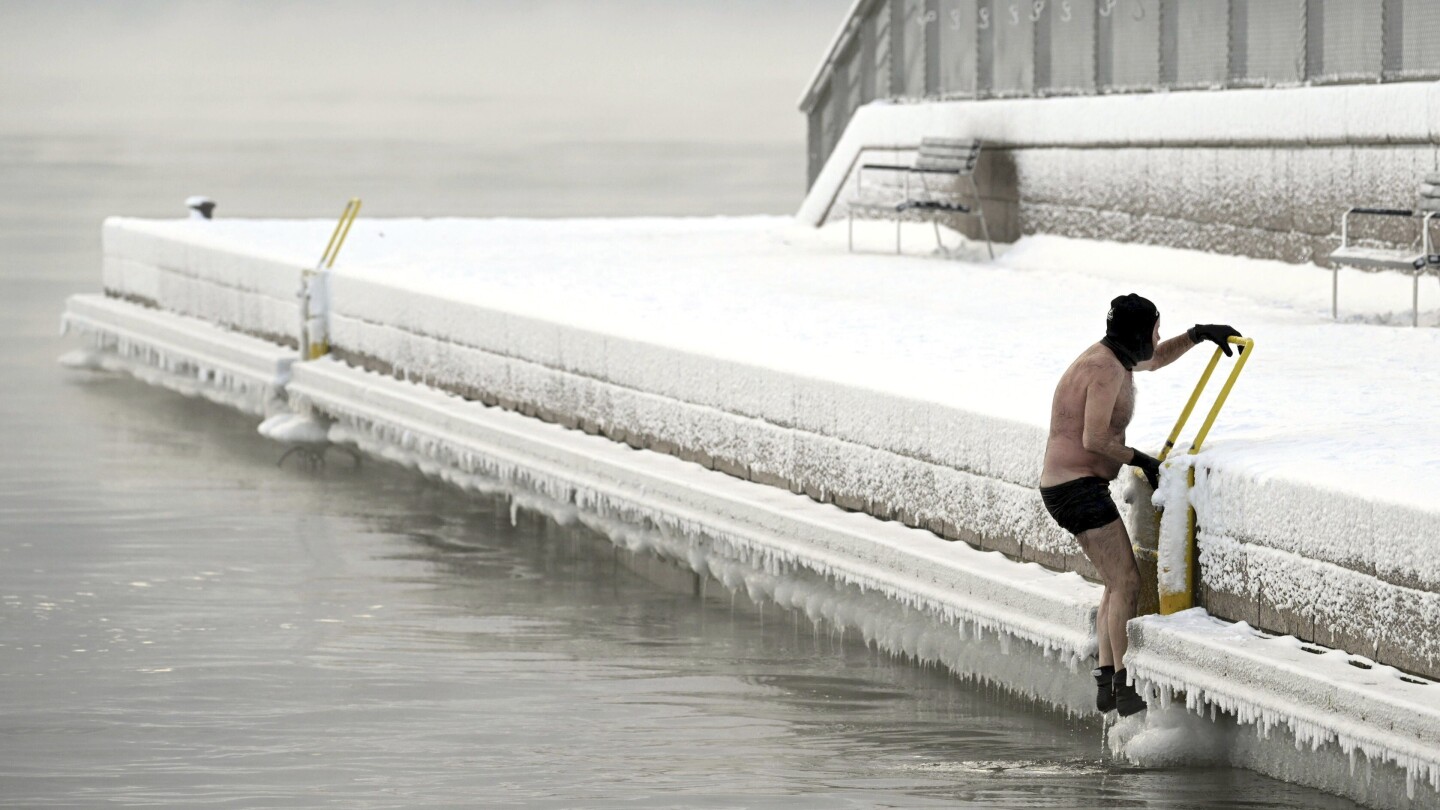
(1108, 548)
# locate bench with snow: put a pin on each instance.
(947, 158)
(1418, 259)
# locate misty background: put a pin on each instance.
(495, 107)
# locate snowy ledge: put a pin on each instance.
(767, 525)
(892, 380)
(1320, 696)
(183, 354)
(1013, 624)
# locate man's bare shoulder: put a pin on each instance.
(1098, 364)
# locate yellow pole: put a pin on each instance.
(1247, 347)
(1175, 601)
(313, 343)
(326, 258)
(1189, 406)
(348, 222)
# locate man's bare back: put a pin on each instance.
(1093, 404)
(1067, 456)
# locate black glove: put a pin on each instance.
(1148, 465)
(1217, 333)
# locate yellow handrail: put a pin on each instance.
(342, 230)
(1247, 347)
(313, 340)
(1175, 601)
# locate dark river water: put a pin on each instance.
(184, 624)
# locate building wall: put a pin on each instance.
(1265, 173)
(980, 49)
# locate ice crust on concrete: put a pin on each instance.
(922, 385)
(183, 354)
(947, 361)
(762, 525)
(894, 591)
(237, 285)
(1320, 697)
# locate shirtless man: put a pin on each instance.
(1092, 407)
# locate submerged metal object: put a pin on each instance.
(312, 456)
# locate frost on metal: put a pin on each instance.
(1173, 544)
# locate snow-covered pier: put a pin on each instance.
(770, 377)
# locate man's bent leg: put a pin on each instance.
(1108, 548)
(1103, 652)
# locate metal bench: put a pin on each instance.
(1417, 260)
(937, 158)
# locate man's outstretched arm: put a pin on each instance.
(1167, 352)
(1172, 349)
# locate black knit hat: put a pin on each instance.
(1129, 327)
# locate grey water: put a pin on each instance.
(185, 624)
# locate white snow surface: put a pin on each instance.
(987, 339)
(1319, 696)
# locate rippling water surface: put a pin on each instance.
(184, 624)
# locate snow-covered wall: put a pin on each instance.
(1308, 577)
(965, 476)
(1339, 566)
(1260, 172)
(244, 291)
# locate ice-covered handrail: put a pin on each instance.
(337, 238)
(314, 342)
(1177, 587)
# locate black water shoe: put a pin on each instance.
(1127, 700)
(1104, 691)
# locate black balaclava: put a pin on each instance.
(1129, 328)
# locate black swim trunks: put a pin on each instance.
(1080, 505)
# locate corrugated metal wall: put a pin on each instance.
(958, 48)
(913, 49)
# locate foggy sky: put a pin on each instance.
(726, 71)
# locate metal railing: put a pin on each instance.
(957, 49)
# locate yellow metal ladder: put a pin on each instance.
(314, 342)
(1183, 599)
